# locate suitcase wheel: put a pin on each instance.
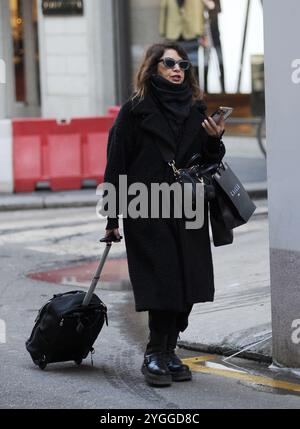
(78, 362)
(41, 363)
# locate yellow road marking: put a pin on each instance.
(196, 364)
(193, 363)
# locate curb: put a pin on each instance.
(64, 200)
(226, 351)
(30, 202)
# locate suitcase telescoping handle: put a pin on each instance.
(108, 240)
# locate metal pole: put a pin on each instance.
(243, 46)
(122, 41)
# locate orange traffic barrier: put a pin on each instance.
(63, 155)
(113, 111)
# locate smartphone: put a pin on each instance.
(225, 110)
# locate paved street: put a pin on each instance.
(66, 72)
(40, 241)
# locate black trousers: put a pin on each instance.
(165, 327)
(167, 322)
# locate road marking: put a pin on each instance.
(223, 367)
(48, 222)
(46, 234)
(197, 364)
(62, 235)
(193, 362)
(63, 240)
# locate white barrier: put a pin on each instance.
(6, 156)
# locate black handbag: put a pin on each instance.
(233, 202)
(221, 235)
(205, 172)
(193, 172)
(229, 200)
(189, 175)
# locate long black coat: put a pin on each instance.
(169, 266)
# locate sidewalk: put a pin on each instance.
(239, 320)
(240, 317)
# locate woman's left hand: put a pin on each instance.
(213, 129)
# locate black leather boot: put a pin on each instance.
(154, 367)
(178, 370)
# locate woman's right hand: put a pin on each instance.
(114, 231)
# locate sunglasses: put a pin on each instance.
(170, 63)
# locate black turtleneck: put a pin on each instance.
(174, 100)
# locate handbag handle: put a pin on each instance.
(193, 159)
(210, 168)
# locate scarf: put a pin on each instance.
(174, 101)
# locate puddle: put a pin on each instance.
(114, 275)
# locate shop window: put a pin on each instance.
(17, 26)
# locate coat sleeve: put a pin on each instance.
(213, 150)
(119, 148)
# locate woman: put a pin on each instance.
(170, 267)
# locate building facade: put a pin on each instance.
(61, 62)
(56, 64)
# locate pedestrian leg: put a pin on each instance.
(178, 370)
(154, 366)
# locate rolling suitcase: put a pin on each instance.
(67, 326)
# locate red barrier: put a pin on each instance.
(62, 154)
(113, 111)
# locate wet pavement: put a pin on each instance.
(29, 245)
(114, 276)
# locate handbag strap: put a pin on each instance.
(168, 156)
(167, 153)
